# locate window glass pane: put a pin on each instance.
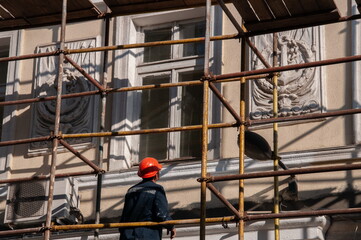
(154, 114)
(157, 53)
(192, 30)
(192, 110)
(4, 52)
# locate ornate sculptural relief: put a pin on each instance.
(298, 90)
(78, 115)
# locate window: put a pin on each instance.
(171, 107)
(4, 52)
(162, 107)
(8, 91)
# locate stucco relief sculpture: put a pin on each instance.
(298, 90)
(77, 114)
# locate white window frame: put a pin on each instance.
(123, 150)
(12, 88)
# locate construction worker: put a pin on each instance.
(146, 201)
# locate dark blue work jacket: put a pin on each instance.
(145, 201)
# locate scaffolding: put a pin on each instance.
(257, 20)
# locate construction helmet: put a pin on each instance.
(149, 167)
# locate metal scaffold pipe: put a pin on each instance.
(102, 128)
(241, 136)
(59, 84)
(203, 196)
(276, 198)
(294, 171)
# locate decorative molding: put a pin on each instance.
(299, 90)
(225, 166)
(124, 149)
(356, 74)
(78, 115)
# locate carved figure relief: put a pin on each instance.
(298, 90)
(77, 114)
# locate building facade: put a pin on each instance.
(327, 141)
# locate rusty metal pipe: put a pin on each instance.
(304, 117)
(152, 44)
(140, 224)
(115, 90)
(48, 219)
(21, 231)
(248, 217)
(204, 160)
(293, 171)
(50, 98)
(41, 177)
(225, 102)
(102, 107)
(276, 198)
(80, 156)
(297, 214)
(24, 141)
(289, 67)
(85, 74)
(147, 131)
(219, 195)
(29, 56)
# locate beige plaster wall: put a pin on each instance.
(22, 164)
(184, 193)
(319, 134)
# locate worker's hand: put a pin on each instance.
(172, 232)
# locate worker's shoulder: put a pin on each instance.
(148, 185)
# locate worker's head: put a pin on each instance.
(149, 167)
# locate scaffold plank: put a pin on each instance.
(277, 15)
(3, 13)
(261, 9)
(310, 6)
(20, 14)
(294, 7)
(245, 9)
(326, 4)
(125, 7)
(278, 8)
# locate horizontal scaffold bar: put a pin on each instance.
(43, 177)
(118, 47)
(288, 172)
(247, 217)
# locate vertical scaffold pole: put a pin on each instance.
(241, 140)
(59, 84)
(275, 140)
(202, 231)
(102, 128)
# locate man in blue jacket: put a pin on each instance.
(146, 201)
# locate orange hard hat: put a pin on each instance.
(149, 167)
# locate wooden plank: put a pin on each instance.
(124, 7)
(146, 7)
(245, 10)
(328, 5)
(310, 6)
(294, 7)
(261, 9)
(32, 8)
(278, 8)
(293, 23)
(4, 14)
(9, 24)
(56, 18)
